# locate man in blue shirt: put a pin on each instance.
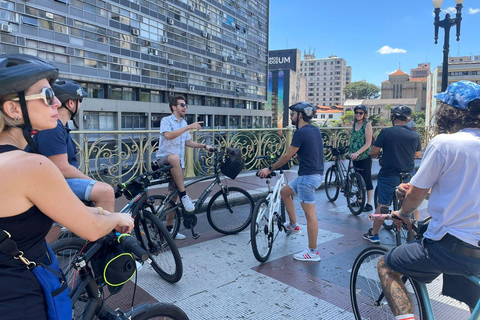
(58, 146)
(308, 145)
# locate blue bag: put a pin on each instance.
(55, 288)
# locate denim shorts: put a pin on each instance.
(386, 186)
(305, 186)
(82, 188)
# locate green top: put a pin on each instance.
(357, 141)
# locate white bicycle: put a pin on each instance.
(268, 213)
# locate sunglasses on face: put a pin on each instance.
(184, 105)
(361, 113)
(47, 95)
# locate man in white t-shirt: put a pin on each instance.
(451, 244)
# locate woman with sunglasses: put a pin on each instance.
(360, 146)
(33, 192)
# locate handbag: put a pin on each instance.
(51, 278)
(233, 164)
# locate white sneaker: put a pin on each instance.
(187, 203)
(306, 255)
(180, 236)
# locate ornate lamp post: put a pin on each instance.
(446, 23)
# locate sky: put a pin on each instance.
(375, 37)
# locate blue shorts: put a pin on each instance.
(386, 186)
(82, 188)
(305, 186)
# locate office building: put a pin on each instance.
(133, 56)
(326, 79)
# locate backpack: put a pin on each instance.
(232, 163)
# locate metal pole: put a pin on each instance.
(446, 49)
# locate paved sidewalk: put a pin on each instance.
(223, 280)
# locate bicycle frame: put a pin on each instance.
(274, 197)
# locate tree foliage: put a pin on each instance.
(361, 90)
(347, 117)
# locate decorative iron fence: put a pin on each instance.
(119, 156)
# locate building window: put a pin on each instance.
(102, 121)
(134, 121)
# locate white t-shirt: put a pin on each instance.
(451, 167)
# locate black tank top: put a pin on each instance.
(28, 230)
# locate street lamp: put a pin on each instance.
(446, 24)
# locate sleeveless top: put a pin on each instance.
(28, 230)
(357, 141)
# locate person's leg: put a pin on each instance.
(176, 171)
(312, 224)
(287, 194)
(102, 195)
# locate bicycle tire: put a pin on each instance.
(332, 189)
(224, 221)
(162, 311)
(161, 247)
(66, 250)
(162, 216)
(260, 237)
(366, 289)
(356, 194)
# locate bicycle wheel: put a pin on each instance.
(163, 311)
(168, 216)
(66, 250)
(366, 293)
(161, 247)
(356, 193)
(332, 188)
(236, 216)
(260, 235)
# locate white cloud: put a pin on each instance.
(389, 50)
(473, 11)
(450, 10)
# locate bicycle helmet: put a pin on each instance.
(66, 89)
(460, 94)
(18, 72)
(360, 107)
(305, 108)
(401, 112)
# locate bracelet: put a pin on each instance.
(404, 215)
(100, 211)
(204, 146)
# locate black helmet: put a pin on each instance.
(18, 72)
(66, 89)
(401, 112)
(304, 107)
(361, 107)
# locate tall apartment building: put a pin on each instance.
(326, 79)
(459, 68)
(133, 56)
(421, 72)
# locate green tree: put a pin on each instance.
(361, 90)
(347, 118)
(419, 118)
(376, 120)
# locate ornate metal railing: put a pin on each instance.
(118, 156)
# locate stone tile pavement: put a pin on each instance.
(223, 280)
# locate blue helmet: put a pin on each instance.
(304, 107)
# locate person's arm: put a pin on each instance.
(47, 189)
(169, 135)
(413, 199)
(291, 151)
(193, 144)
(418, 154)
(68, 171)
(375, 151)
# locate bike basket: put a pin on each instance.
(113, 267)
(132, 189)
(232, 164)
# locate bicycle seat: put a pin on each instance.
(404, 175)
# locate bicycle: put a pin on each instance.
(268, 212)
(366, 293)
(87, 293)
(149, 231)
(229, 210)
(395, 205)
(346, 179)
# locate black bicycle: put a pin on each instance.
(88, 287)
(165, 258)
(229, 210)
(346, 179)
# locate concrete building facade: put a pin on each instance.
(133, 56)
(326, 79)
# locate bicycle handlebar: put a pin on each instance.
(130, 244)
